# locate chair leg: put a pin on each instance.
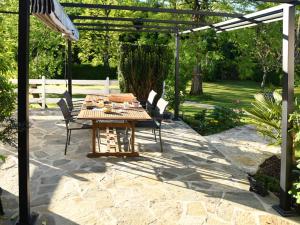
(69, 137)
(67, 141)
(160, 141)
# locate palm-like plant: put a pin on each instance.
(265, 114)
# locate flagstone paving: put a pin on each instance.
(189, 183)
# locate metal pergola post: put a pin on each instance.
(177, 100)
(288, 58)
(23, 113)
(69, 69)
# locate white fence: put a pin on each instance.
(39, 88)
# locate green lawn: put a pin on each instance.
(233, 94)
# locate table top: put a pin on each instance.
(124, 97)
(128, 114)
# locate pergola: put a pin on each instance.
(65, 24)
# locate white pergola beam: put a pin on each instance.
(249, 20)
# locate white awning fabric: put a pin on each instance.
(51, 13)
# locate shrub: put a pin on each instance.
(143, 68)
(271, 183)
(265, 114)
(7, 107)
(295, 191)
(208, 122)
(90, 72)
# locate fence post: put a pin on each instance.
(43, 92)
(107, 85)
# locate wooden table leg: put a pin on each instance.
(93, 154)
(94, 137)
(132, 136)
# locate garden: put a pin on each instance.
(229, 83)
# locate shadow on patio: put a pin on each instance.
(190, 183)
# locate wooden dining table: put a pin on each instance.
(119, 117)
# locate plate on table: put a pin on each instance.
(120, 111)
(135, 107)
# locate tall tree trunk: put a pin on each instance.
(263, 83)
(197, 87)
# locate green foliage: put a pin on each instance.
(47, 51)
(270, 183)
(295, 119)
(7, 107)
(90, 72)
(143, 68)
(7, 98)
(208, 122)
(2, 158)
(295, 191)
(265, 114)
(229, 55)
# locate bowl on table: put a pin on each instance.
(89, 104)
(100, 104)
(135, 104)
(107, 109)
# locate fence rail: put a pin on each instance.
(39, 89)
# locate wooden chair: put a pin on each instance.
(155, 123)
(71, 122)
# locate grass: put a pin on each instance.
(232, 94)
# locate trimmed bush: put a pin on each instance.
(143, 68)
(90, 72)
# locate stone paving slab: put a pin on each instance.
(243, 147)
(189, 183)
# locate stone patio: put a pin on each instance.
(190, 183)
(243, 147)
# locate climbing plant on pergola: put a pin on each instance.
(61, 22)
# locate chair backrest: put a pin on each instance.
(161, 106)
(69, 101)
(151, 97)
(64, 109)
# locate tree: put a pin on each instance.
(268, 52)
(197, 88)
(143, 68)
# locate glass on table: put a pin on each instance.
(126, 105)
